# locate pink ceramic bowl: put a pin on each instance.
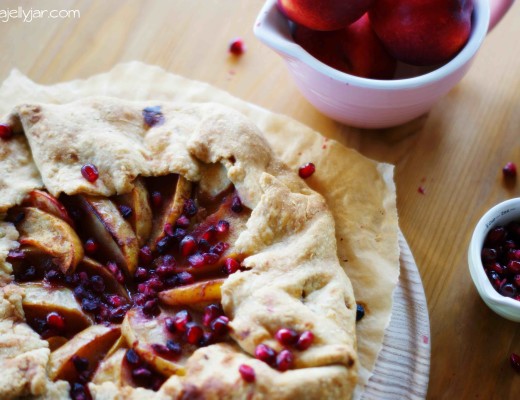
(372, 103)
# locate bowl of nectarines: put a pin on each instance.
(376, 63)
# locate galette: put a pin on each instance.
(161, 251)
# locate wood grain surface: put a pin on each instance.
(455, 153)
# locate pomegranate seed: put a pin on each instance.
(237, 47)
(156, 199)
(165, 271)
(132, 357)
(190, 208)
(91, 246)
(188, 246)
(126, 212)
(517, 281)
(181, 319)
(197, 260)
(203, 245)
(247, 373)
(142, 373)
(210, 258)
(115, 300)
(114, 269)
(219, 248)
(306, 170)
(509, 170)
(266, 354)
(508, 290)
(55, 321)
(6, 132)
(141, 274)
(185, 278)
(513, 267)
(286, 337)
(79, 391)
(153, 116)
(169, 323)
(151, 308)
(231, 266)
(515, 362)
(421, 190)
(183, 221)
(193, 333)
(222, 226)
(236, 204)
(97, 284)
(209, 234)
(15, 255)
(496, 235)
(220, 325)
(211, 313)
(488, 255)
(207, 339)
(145, 255)
(90, 172)
(173, 347)
(80, 363)
(305, 340)
(284, 360)
(360, 312)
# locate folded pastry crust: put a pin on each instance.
(292, 277)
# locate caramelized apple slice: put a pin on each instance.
(92, 267)
(170, 211)
(113, 369)
(56, 341)
(40, 300)
(52, 235)
(143, 334)
(102, 220)
(140, 217)
(48, 203)
(119, 344)
(198, 292)
(91, 344)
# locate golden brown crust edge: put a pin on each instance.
(294, 277)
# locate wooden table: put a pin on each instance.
(455, 153)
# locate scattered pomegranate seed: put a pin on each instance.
(90, 172)
(153, 116)
(219, 248)
(514, 267)
(173, 347)
(183, 221)
(193, 333)
(80, 363)
(91, 246)
(141, 274)
(185, 278)
(305, 340)
(236, 204)
(132, 357)
(284, 360)
(247, 373)
(115, 300)
(211, 313)
(190, 208)
(421, 190)
(509, 170)
(156, 199)
(197, 260)
(266, 354)
(114, 269)
(222, 226)
(306, 170)
(231, 266)
(220, 325)
(6, 132)
(286, 337)
(360, 312)
(15, 255)
(237, 47)
(209, 234)
(142, 373)
(210, 258)
(181, 319)
(145, 255)
(515, 361)
(188, 246)
(55, 321)
(125, 211)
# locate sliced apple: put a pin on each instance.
(119, 344)
(141, 217)
(101, 219)
(91, 343)
(52, 235)
(113, 369)
(56, 342)
(48, 203)
(92, 267)
(198, 292)
(39, 300)
(170, 211)
(141, 333)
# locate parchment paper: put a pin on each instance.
(360, 192)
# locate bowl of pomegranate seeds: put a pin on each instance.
(494, 258)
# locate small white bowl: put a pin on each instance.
(372, 103)
(500, 214)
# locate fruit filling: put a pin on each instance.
(500, 257)
(126, 288)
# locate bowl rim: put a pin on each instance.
(265, 29)
(480, 279)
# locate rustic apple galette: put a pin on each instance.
(162, 251)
